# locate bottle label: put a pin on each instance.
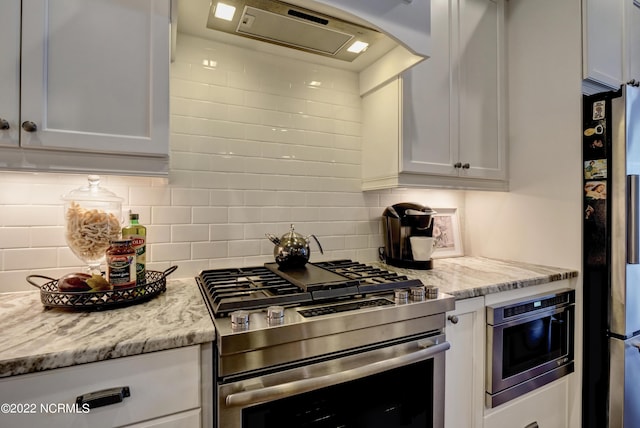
(138, 243)
(121, 270)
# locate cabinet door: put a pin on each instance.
(95, 75)
(464, 388)
(602, 48)
(160, 384)
(454, 103)
(10, 73)
(632, 18)
(481, 81)
(429, 114)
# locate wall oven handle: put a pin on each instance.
(270, 393)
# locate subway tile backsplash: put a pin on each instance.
(254, 148)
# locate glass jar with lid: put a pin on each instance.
(93, 218)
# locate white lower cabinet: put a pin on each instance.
(464, 389)
(164, 390)
(465, 372)
(181, 420)
(546, 407)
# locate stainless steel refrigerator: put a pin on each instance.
(611, 230)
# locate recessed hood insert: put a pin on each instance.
(292, 26)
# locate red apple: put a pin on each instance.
(74, 282)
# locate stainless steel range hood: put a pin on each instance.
(320, 31)
(292, 26)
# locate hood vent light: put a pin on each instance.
(358, 47)
(295, 27)
(224, 11)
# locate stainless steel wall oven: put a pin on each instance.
(529, 344)
(342, 351)
(369, 389)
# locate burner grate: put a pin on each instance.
(372, 279)
(258, 287)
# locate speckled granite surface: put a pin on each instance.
(466, 277)
(33, 338)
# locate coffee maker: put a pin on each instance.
(400, 222)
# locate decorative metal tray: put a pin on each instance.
(51, 297)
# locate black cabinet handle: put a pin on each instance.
(457, 165)
(104, 397)
(29, 126)
(532, 425)
(453, 319)
(4, 124)
(466, 166)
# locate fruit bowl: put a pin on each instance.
(52, 297)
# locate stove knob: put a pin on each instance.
(401, 296)
(432, 292)
(275, 315)
(239, 320)
(418, 294)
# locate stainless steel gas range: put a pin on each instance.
(331, 344)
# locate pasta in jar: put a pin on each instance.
(89, 231)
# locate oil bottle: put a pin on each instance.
(138, 235)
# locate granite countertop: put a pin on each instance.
(34, 338)
(467, 277)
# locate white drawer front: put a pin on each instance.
(547, 407)
(190, 419)
(160, 383)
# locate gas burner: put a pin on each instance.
(228, 290)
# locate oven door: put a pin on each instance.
(369, 389)
(525, 349)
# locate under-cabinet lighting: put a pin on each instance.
(358, 46)
(224, 11)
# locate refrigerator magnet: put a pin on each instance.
(594, 148)
(595, 169)
(598, 110)
(596, 130)
(595, 190)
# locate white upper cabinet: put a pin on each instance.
(94, 87)
(602, 47)
(632, 24)
(443, 123)
(10, 73)
(611, 44)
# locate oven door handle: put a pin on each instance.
(270, 393)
